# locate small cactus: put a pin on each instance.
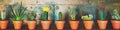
(45, 15)
(72, 13)
(60, 15)
(115, 15)
(101, 13)
(31, 16)
(87, 17)
(3, 15)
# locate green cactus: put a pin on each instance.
(3, 15)
(60, 15)
(31, 16)
(115, 15)
(45, 15)
(72, 13)
(87, 17)
(101, 15)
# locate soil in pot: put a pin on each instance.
(45, 24)
(31, 24)
(17, 24)
(3, 24)
(115, 24)
(102, 24)
(74, 24)
(60, 24)
(88, 24)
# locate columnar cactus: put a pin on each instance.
(60, 15)
(115, 15)
(87, 17)
(101, 14)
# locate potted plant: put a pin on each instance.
(3, 21)
(17, 14)
(102, 23)
(31, 22)
(45, 22)
(73, 23)
(87, 20)
(115, 19)
(60, 23)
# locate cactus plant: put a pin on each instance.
(101, 14)
(3, 15)
(31, 16)
(72, 13)
(17, 12)
(60, 15)
(87, 17)
(45, 15)
(115, 15)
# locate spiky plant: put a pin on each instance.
(17, 12)
(60, 15)
(3, 15)
(101, 14)
(115, 15)
(45, 15)
(31, 16)
(72, 13)
(87, 17)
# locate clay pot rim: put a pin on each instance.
(59, 20)
(46, 20)
(115, 20)
(87, 20)
(73, 20)
(102, 20)
(3, 20)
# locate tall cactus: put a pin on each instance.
(3, 15)
(45, 15)
(72, 13)
(87, 17)
(101, 14)
(115, 15)
(60, 15)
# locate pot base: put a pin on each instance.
(74, 24)
(88, 24)
(31, 24)
(60, 24)
(3, 24)
(102, 24)
(45, 24)
(115, 24)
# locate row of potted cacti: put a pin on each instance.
(18, 12)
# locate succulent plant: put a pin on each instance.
(17, 12)
(87, 17)
(115, 15)
(72, 13)
(31, 16)
(60, 15)
(101, 14)
(3, 15)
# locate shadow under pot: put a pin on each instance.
(74, 24)
(88, 24)
(46, 24)
(3, 24)
(60, 24)
(31, 24)
(115, 24)
(17, 24)
(102, 24)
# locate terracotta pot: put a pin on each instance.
(74, 24)
(45, 24)
(3, 24)
(60, 24)
(31, 24)
(17, 24)
(88, 24)
(115, 24)
(102, 24)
